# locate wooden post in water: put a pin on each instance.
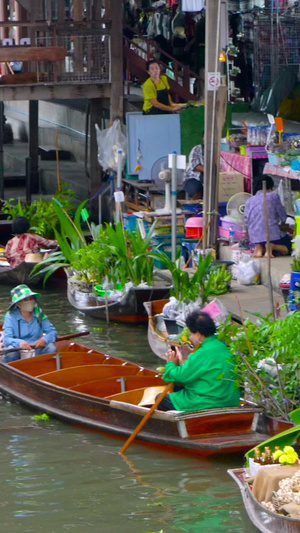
(215, 112)
(116, 57)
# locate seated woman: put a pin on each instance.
(156, 89)
(24, 243)
(25, 325)
(207, 376)
(280, 242)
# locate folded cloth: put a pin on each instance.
(267, 480)
(291, 509)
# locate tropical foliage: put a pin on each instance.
(206, 281)
(42, 214)
(105, 252)
(268, 362)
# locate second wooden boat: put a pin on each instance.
(20, 274)
(129, 308)
(95, 390)
(266, 521)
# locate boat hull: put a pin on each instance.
(93, 390)
(129, 309)
(20, 274)
(266, 521)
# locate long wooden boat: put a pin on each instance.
(94, 390)
(20, 274)
(128, 309)
(266, 521)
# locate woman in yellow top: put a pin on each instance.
(156, 89)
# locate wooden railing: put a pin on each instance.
(138, 51)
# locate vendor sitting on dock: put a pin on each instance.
(207, 377)
(26, 326)
(24, 243)
(280, 242)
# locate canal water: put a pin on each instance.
(57, 478)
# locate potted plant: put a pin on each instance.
(234, 72)
(268, 364)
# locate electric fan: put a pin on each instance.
(161, 175)
(236, 207)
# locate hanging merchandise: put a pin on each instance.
(192, 5)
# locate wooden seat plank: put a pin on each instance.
(69, 377)
(109, 386)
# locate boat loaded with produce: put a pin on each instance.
(270, 482)
(166, 318)
(111, 276)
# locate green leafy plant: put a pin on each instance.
(267, 359)
(42, 214)
(203, 283)
(295, 266)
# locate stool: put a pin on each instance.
(294, 286)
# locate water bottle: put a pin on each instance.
(231, 236)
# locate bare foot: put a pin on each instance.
(267, 254)
(258, 250)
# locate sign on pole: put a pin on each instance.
(213, 81)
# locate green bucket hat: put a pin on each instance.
(20, 292)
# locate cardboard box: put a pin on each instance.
(230, 183)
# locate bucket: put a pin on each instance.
(26, 354)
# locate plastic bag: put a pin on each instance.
(110, 141)
(248, 272)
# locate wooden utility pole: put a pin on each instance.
(116, 48)
(215, 112)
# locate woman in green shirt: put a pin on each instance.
(207, 376)
(156, 89)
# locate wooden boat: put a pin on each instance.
(94, 390)
(20, 274)
(157, 342)
(129, 308)
(266, 521)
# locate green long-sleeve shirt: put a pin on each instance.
(208, 378)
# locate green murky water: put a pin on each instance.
(57, 478)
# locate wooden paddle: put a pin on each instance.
(59, 338)
(146, 418)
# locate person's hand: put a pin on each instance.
(40, 343)
(176, 107)
(25, 346)
(171, 356)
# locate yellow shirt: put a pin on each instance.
(150, 90)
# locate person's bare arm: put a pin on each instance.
(164, 107)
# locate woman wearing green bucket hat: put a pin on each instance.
(26, 326)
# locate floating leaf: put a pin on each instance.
(44, 416)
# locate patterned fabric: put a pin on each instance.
(196, 157)
(20, 292)
(255, 217)
(25, 243)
